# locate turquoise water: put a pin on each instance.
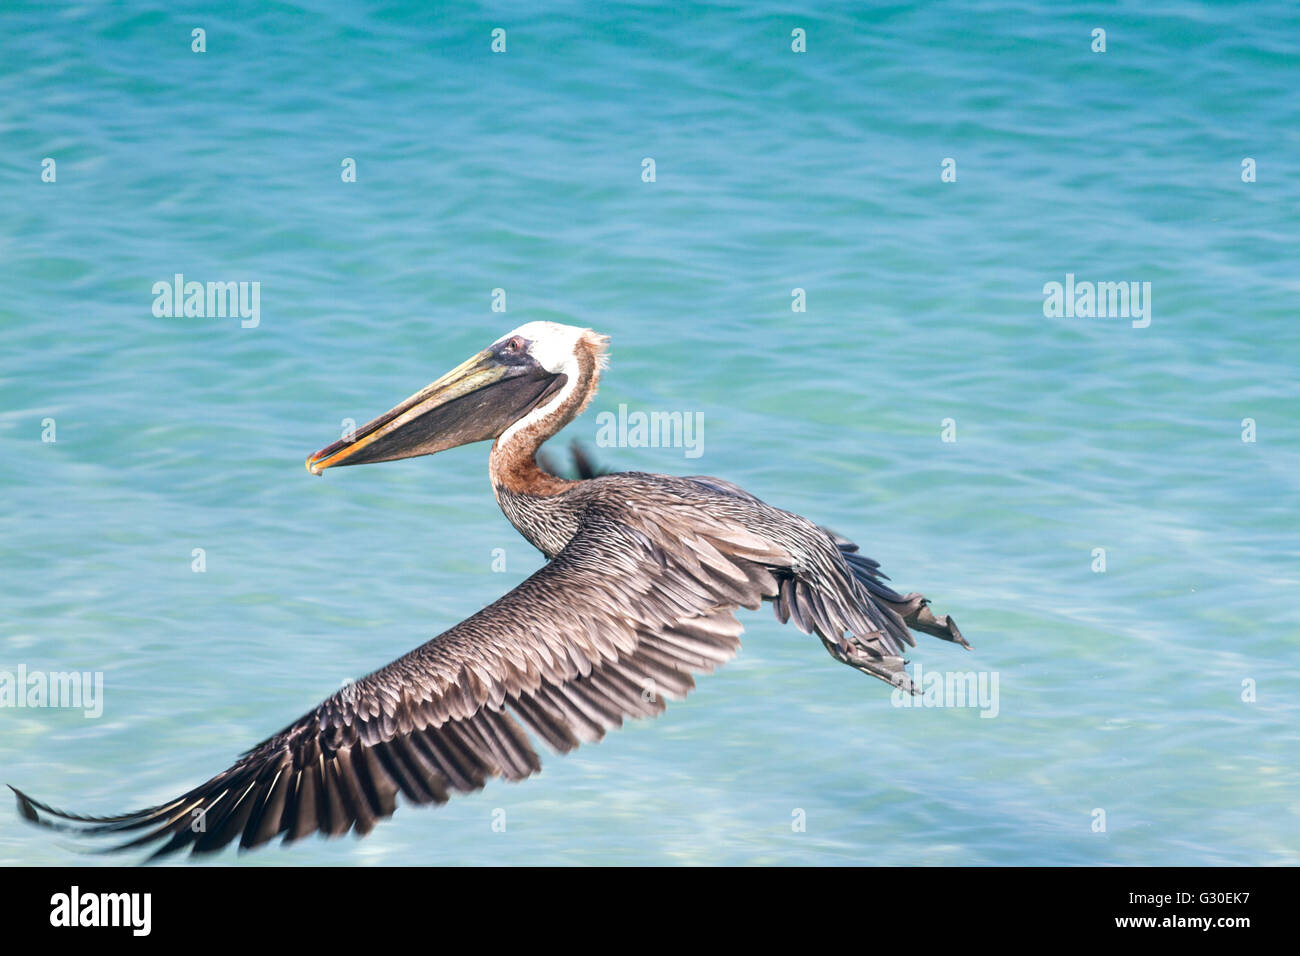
(1119, 691)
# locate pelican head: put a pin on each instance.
(525, 372)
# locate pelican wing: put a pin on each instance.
(641, 598)
(618, 621)
(827, 588)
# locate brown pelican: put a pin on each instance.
(644, 576)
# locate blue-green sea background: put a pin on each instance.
(1120, 691)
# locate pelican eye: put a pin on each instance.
(515, 344)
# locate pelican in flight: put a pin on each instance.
(643, 577)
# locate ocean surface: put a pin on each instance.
(1147, 713)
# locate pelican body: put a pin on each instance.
(645, 573)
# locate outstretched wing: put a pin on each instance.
(831, 590)
(880, 653)
(641, 598)
(618, 621)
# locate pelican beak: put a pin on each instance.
(476, 401)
